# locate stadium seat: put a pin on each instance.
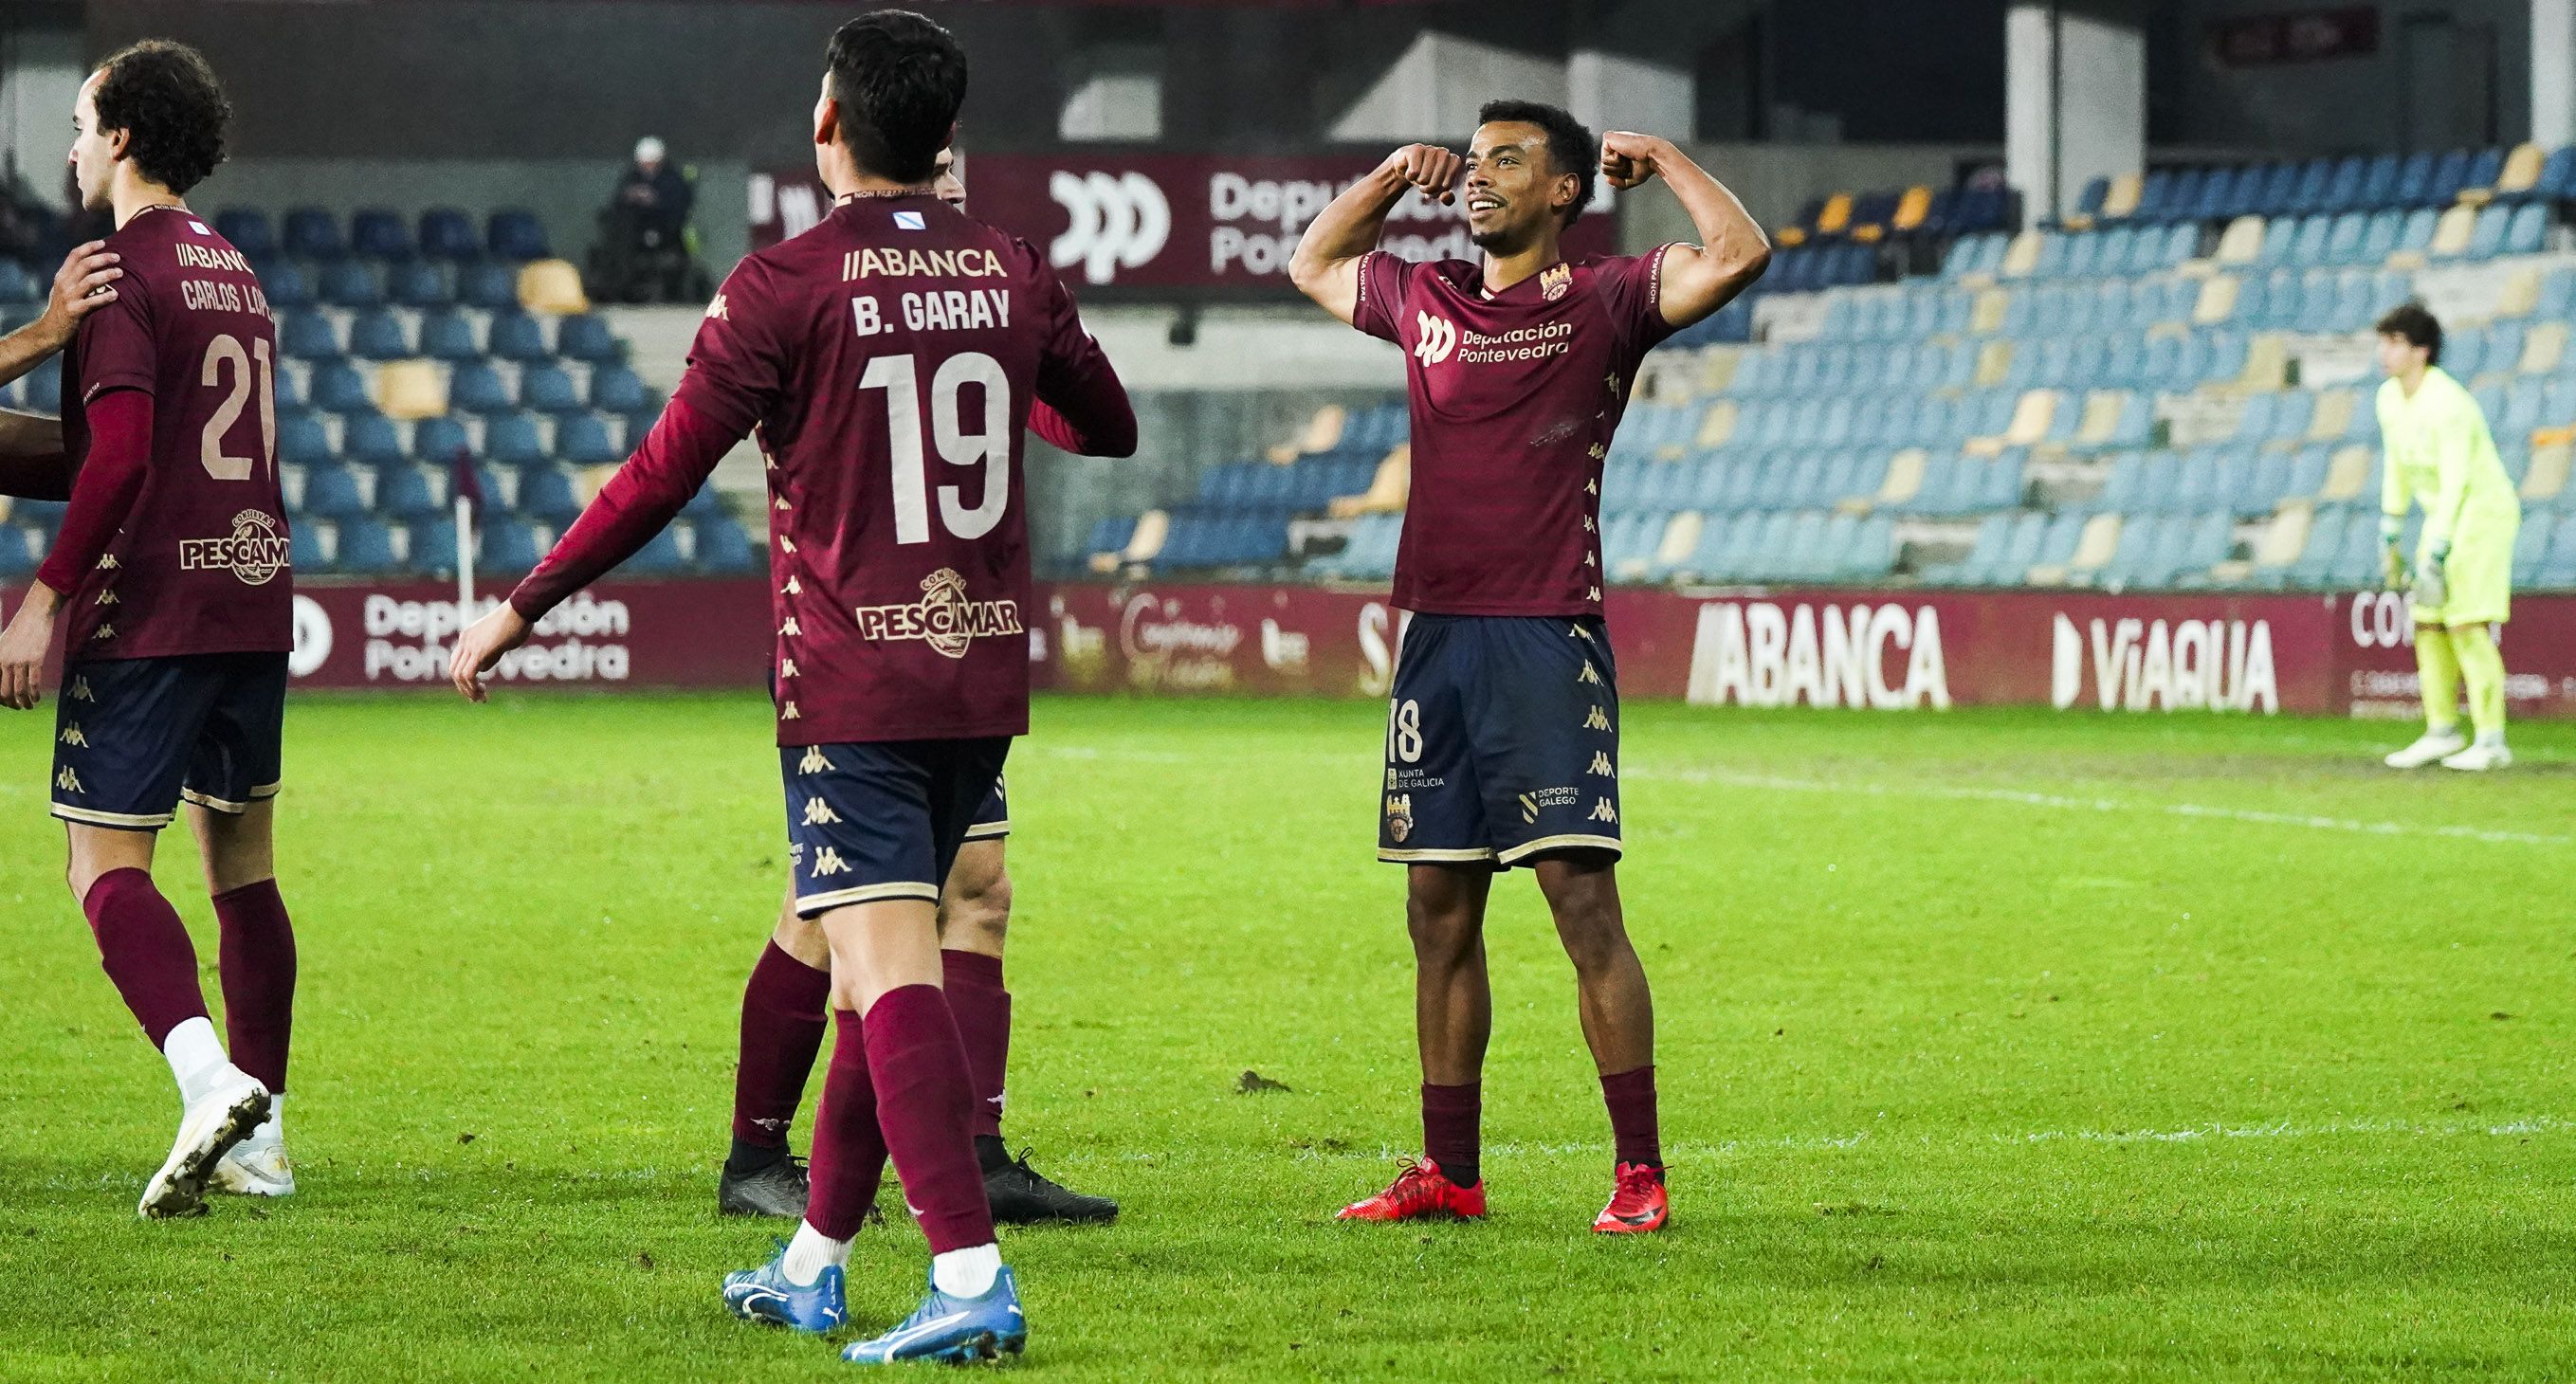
(439, 441)
(313, 234)
(723, 548)
(489, 287)
(307, 335)
(587, 338)
(353, 284)
(420, 284)
(332, 492)
(516, 236)
(446, 335)
(447, 233)
(306, 552)
(512, 439)
(516, 336)
(302, 440)
(504, 545)
(433, 547)
(581, 439)
(378, 335)
(379, 234)
(371, 439)
(366, 548)
(337, 387)
(286, 286)
(249, 231)
(552, 286)
(548, 389)
(616, 389)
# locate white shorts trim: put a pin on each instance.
(125, 821)
(263, 791)
(808, 905)
(989, 831)
(1558, 843)
(1468, 856)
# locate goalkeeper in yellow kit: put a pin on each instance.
(2440, 455)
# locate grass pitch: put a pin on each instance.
(1993, 1045)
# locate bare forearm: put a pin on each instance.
(1326, 264)
(26, 348)
(1727, 232)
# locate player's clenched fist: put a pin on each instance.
(1629, 158)
(1429, 167)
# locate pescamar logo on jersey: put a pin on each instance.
(256, 552)
(1433, 338)
(944, 617)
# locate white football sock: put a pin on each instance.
(2491, 739)
(810, 1253)
(196, 1058)
(966, 1272)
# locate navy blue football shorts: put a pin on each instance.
(1502, 741)
(883, 819)
(134, 736)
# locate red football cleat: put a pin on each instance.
(1420, 1191)
(1637, 1203)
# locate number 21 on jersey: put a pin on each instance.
(225, 351)
(959, 441)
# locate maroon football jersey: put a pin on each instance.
(888, 358)
(1514, 398)
(200, 566)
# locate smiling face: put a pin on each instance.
(93, 155)
(1514, 194)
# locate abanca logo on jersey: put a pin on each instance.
(943, 618)
(256, 552)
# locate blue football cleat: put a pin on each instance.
(955, 1330)
(764, 1295)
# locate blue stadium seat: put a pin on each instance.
(378, 233)
(307, 335)
(582, 440)
(366, 547)
(585, 336)
(723, 548)
(378, 335)
(285, 285)
(438, 441)
(433, 548)
(446, 335)
(490, 287)
(548, 389)
(505, 545)
(447, 233)
(549, 494)
(337, 387)
(331, 492)
(2379, 184)
(421, 284)
(247, 230)
(516, 336)
(616, 389)
(475, 387)
(516, 235)
(305, 550)
(353, 284)
(314, 234)
(511, 439)
(44, 387)
(302, 440)
(371, 439)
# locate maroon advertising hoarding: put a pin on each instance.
(1155, 221)
(2259, 654)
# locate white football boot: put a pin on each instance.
(257, 1168)
(2487, 753)
(2432, 747)
(207, 1131)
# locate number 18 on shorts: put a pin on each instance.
(1502, 741)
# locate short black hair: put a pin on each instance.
(2418, 325)
(899, 80)
(1570, 148)
(173, 111)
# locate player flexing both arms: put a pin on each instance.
(172, 563)
(1503, 738)
(2440, 454)
(887, 358)
(782, 1006)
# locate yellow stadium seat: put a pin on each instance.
(2522, 168)
(1152, 528)
(2451, 234)
(1718, 424)
(2351, 471)
(2216, 302)
(2122, 199)
(551, 286)
(1911, 208)
(2021, 256)
(1994, 361)
(1790, 235)
(1986, 315)
(411, 390)
(2285, 537)
(2032, 418)
(2242, 242)
(2333, 415)
(1836, 215)
(2543, 348)
(2102, 409)
(2547, 478)
(1904, 476)
(1681, 535)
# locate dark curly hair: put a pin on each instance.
(2418, 326)
(173, 111)
(899, 80)
(1570, 147)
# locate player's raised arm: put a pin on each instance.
(1732, 253)
(1326, 266)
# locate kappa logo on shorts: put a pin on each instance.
(819, 813)
(80, 691)
(72, 736)
(827, 861)
(1596, 721)
(1435, 339)
(255, 553)
(944, 618)
(68, 781)
(1601, 765)
(813, 761)
(1399, 817)
(1588, 675)
(1602, 811)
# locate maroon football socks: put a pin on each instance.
(782, 1030)
(973, 983)
(145, 949)
(257, 958)
(1631, 1098)
(923, 1097)
(849, 1152)
(1452, 1118)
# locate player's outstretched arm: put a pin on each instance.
(641, 500)
(32, 463)
(1326, 266)
(1697, 279)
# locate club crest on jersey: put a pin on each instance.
(1555, 280)
(255, 553)
(944, 618)
(1434, 338)
(1399, 817)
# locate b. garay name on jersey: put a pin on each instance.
(930, 310)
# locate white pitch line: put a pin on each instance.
(2062, 803)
